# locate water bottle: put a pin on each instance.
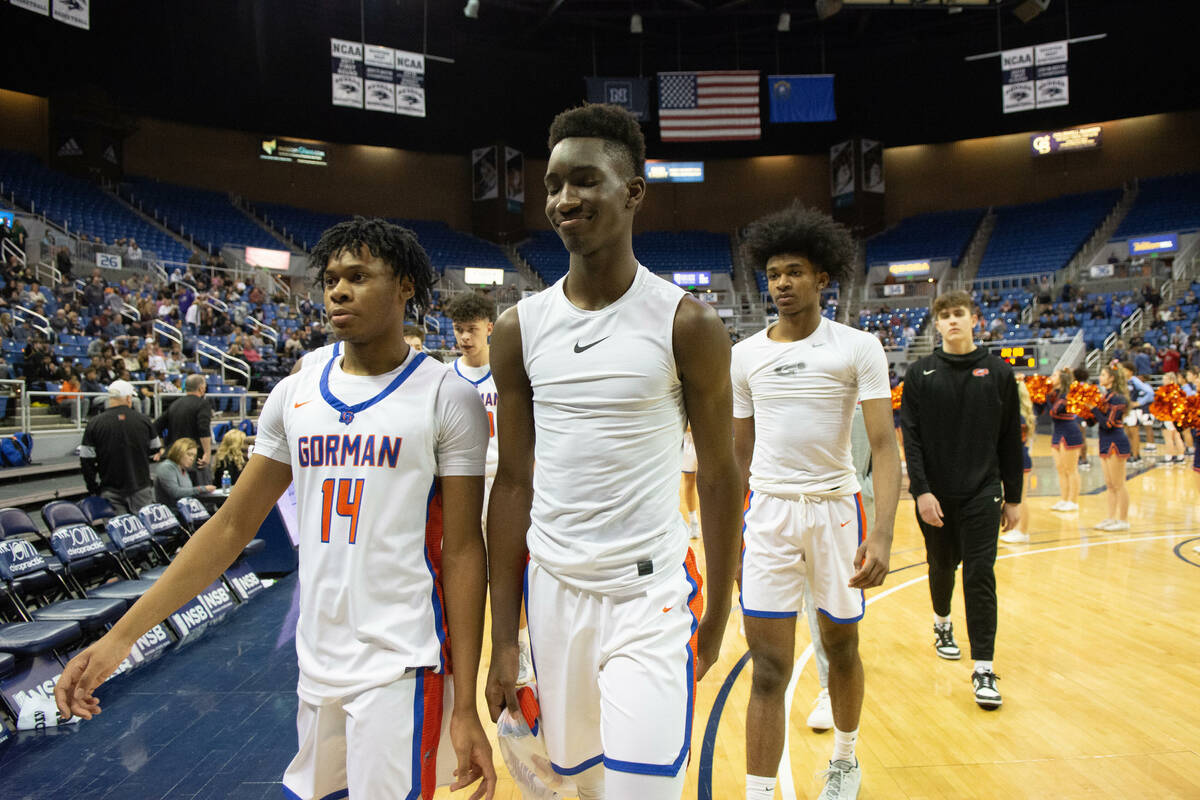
(225, 482)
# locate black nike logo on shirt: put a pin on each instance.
(580, 348)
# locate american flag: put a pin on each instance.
(708, 106)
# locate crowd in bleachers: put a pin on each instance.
(893, 327)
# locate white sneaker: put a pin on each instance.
(1058, 506)
(842, 780)
(694, 531)
(1065, 506)
(1015, 536)
(1102, 525)
(1118, 525)
(821, 718)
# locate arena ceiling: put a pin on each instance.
(901, 73)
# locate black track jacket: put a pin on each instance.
(962, 425)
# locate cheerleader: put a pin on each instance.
(1020, 534)
(1114, 445)
(1065, 443)
(1172, 440)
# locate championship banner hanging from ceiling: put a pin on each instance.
(377, 78)
(1035, 77)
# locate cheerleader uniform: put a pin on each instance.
(1067, 433)
(1113, 440)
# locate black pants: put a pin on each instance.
(969, 535)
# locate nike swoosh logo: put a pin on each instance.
(822, 344)
(930, 371)
(668, 608)
(579, 349)
(297, 405)
(997, 499)
(847, 522)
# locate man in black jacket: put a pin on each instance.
(115, 452)
(190, 417)
(962, 440)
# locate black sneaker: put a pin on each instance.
(986, 694)
(945, 645)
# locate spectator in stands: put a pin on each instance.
(1193, 355)
(17, 233)
(133, 252)
(91, 384)
(231, 457)
(6, 372)
(93, 294)
(115, 452)
(68, 398)
(414, 336)
(7, 329)
(997, 327)
(1170, 360)
(175, 359)
(95, 326)
(1143, 361)
(164, 385)
(62, 260)
(191, 416)
(316, 337)
(104, 370)
(114, 329)
(155, 360)
(171, 479)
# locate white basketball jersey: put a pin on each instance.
(481, 378)
(802, 396)
(608, 416)
(365, 452)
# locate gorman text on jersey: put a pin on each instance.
(343, 450)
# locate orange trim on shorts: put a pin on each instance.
(696, 605)
(431, 731)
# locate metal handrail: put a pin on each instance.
(266, 330)
(10, 249)
(21, 313)
(226, 362)
(216, 303)
(49, 269)
(130, 311)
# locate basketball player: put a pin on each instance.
(598, 376)
(386, 447)
(962, 434)
(795, 387)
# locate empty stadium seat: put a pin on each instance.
(91, 568)
(59, 513)
(38, 593)
(97, 510)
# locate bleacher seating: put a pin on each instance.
(208, 217)
(1042, 237)
(660, 251)
(80, 206)
(1170, 203)
(942, 234)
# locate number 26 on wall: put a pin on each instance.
(343, 495)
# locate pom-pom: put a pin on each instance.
(1189, 413)
(1082, 398)
(897, 394)
(1168, 403)
(1039, 386)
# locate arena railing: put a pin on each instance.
(21, 313)
(9, 249)
(47, 274)
(264, 330)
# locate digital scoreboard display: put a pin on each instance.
(910, 269)
(1150, 245)
(1045, 144)
(692, 279)
(289, 151)
(1020, 356)
(675, 172)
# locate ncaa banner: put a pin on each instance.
(36, 6)
(1016, 71)
(1052, 85)
(73, 12)
(379, 91)
(410, 83)
(347, 66)
(871, 153)
(841, 169)
(632, 94)
(484, 174)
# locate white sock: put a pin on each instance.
(843, 745)
(759, 788)
(940, 620)
(983, 666)
(692, 520)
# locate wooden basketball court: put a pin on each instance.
(1098, 653)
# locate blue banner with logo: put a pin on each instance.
(632, 94)
(801, 98)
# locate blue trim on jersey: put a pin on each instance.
(338, 405)
(582, 766)
(418, 729)
(468, 380)
(438, 614)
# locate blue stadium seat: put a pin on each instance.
(137, 547)
(91, 568)
(16, 523)
(96, 510)
(29, 639)
(59, 513)
(37, 593)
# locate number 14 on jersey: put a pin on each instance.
(343, 495)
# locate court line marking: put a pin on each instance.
(786, 781)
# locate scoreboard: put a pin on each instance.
(1020, 356)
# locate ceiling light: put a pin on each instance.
(471, 9)
(635, 23)
(785, 22)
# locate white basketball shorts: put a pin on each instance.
(786, 541)
(380, 743)
(616, 675)
(689, 453)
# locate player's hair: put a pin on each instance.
(953, 299)
(414, 330)
(392, 244)
(231, 446)
(1026, 404)
(801, 231)
(178, 450)
(1064, 378)
(1081, 374)
(622, 135)
(1120, 377)
(469, 306)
